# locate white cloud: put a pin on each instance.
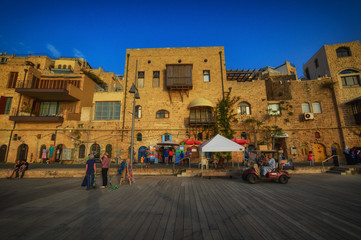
(78, 53)
(53, 50)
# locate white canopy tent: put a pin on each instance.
(218, 144)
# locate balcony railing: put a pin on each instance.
(48, 84)
(21, 116)
(109, 88)
(211, 120)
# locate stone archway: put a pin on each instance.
(22, 153)
(319, 151)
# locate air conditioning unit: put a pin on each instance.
(308, 116)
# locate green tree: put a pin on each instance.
(226, 116)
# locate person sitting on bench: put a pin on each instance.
(270, 167)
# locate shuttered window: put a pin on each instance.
(13, 79)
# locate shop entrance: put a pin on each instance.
(319, 151)
(141, 152)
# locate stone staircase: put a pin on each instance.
(343, 170)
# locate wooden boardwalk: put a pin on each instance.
(309, 207)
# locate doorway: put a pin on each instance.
(319, 151)
(95, 150)
(3, 149)
(22, 153)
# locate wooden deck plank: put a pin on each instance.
(309, 207)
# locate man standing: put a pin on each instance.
(90, 169)
(166, 155)
(105, 167)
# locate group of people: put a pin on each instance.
(19, 167)
(353, 155)
(90, 170)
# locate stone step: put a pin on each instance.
(338, 172)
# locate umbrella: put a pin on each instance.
(240, 141)
(190, 141)
(168, 143)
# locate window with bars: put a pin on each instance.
(13, 79)
(107, 111)
(350, 78)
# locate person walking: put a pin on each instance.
(44, 155)
(90, 170)
(105, 168)
(311, 158)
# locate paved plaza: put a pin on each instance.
(320, 206)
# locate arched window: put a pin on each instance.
(41, 150)
(316, 106)
(139, 137)
(350, 78)
(81, 151)
(304, 150)
(64, 66)
(69, 67)
(343, 52)
(59, 66)
(244, 109)
(108, 149)
(306, 108)
(138, 111)
(162, 114)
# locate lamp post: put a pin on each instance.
(133, 90)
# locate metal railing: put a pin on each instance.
(326, 160)
(48, 84)
(109, 88)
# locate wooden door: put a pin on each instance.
(3, 153)
(319, 151)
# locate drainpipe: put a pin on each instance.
(17, 112)
(220, 60)
(125, 95)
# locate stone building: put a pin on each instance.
(91, 111)
(341, 62)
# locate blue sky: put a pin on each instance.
(255, 34)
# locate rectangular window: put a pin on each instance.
(350, 81)
(316, 63)
(274, 109)
(107, 111)
(13, 79)
(206, 76)
(140, 83)
(49, 109)
(4, 60)
(156, 79)
(5, 105)
(316, 107)
(140, 74)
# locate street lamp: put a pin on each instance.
(133, 90)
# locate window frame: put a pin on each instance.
(278, 113)
(81, 153)
(139, 137)
(113, 113)
(313, 107)
(13, 79)
(308, 107)
(138, 112)
(206, 74)
(247, 107)
(163, 112)
(343, 52)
